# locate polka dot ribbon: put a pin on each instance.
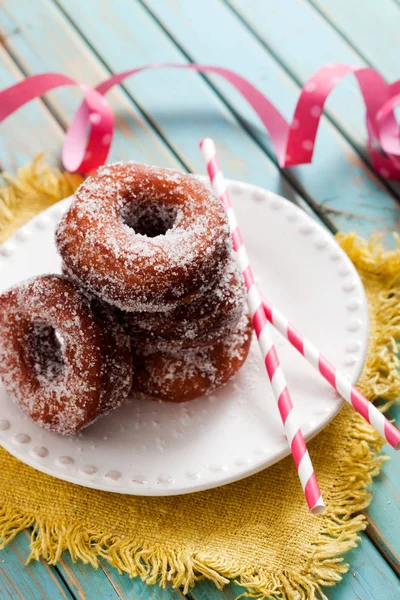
(89, 135)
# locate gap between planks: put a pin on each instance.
(361, 151)
(165, 21)
(285, 174)
(58, 118)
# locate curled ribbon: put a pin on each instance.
(89, 135)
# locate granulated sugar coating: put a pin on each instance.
(182, 375)
(144, 238)
(63, 359)
(203, 322)
(148, 263)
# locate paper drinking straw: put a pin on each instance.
(274, 370)
(335, 378)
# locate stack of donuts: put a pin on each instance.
(150, 300)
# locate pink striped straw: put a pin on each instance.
(335, 378)
(274, 370)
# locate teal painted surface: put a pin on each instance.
(347, 187)
(36, 581)
(89, 48)
(18, 149)
(105, 583)
(369, 577)
(371, 27)
(123, 586)
(85, 582)
(384, 511)
(27, 34)
(301, 54)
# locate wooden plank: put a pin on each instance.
(123, 586)
(40, 40)
(305, 53)
(85, 582)
(105, 583)
(371, 28)
(384, 512)
(338, 180)
(37, 581)
(30, 131)
(369, 578)
(189, 109)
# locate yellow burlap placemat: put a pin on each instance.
(257, 531)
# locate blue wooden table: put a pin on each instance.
(277, 45)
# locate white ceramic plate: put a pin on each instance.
(151, 448)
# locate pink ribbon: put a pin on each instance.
(89, 135)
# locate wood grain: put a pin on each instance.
(296, 52)
(37, 581)
(105, 583)
(384, 511)
(124, 589)
(19, 133)
(371, 28)
(348, 187)
(41, 40)
(369, 577)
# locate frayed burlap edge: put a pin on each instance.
(38, 186)
(35, 187)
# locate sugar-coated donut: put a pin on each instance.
(64, 360)
(179, 376)
(144, 238)
(203, 322)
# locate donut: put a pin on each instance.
(179, 376)
(64, 359)
(203, 322)
(144, 238)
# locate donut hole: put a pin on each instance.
(149, 219)
(45, 351)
